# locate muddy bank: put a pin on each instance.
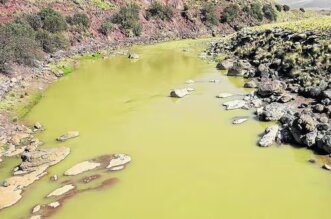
(290, 72)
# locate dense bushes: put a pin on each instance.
(159, 10)
(81, 20)
(128, 19)
(230, 13)
(209, 16)
(17, 44)
(3, 1)
(254, 10)
(50, 42)
(106, 27)
(52, 20)
(22, 40)
(269, 12)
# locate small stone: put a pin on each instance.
(36, 209)
(81, 168)
(54, 178)
(133, 56)
(37, 126)
(312, 161)
(214, 81)
(326, 167)
(54, 204)
(189, 82)
(239, 120)
(224, 95)
(67, 136)
(234, 104)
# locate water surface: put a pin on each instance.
(189, 161)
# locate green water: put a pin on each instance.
(189, 161)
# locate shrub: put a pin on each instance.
(3, 1)
(157, 9)
(279, 7)
(128, 18)
(269, 12)
(106, 27)
(35, 21)
(230, 13)
(79, 19)
(209, 16)
(50, 42)
(52, 20)
(256, 11)
(286, 8)
(17, 44)
(302, 10)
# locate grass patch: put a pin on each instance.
(25, 108)
(93, 56)
(102, 4)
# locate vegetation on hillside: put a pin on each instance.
(209, 16)
(159, 10)
(128, 19)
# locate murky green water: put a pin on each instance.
(189, 161)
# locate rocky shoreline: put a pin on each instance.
(290, 72)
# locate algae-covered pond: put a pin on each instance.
(188, 160)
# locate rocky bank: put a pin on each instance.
(290, 72)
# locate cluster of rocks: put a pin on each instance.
(70, 187)
(291, 74)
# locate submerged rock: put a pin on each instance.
(68, 135)
(81, 167)
(54, 204)
(133, 56)
(224, 95)
(118, 161)
(239, 120)
(62, 190)
(269, 136)
(180, 93)
(234, 104)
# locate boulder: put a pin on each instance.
(269, 136)
(180, 93)
(250, 84)
(324, 143)
(225, 64)
(272, 112)
(266, 88)
(68, 135)
(240, 69)
(234, 104)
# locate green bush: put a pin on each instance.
(35, 21)
(279, 7)
(159, 10)
(230, 13)
(50, 42)
(209, 16)
(269, 12)
(256, 11)
(128, 19)
(17, 44)
(52, 20)
(286, 8)
(106, 27)
(79, 19)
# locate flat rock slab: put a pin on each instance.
(68, 135)
(180, 93)
(54, 204)
(62, 190)
(118, 161)
(224, 95)
(234, 104)
(239, 120)
(81, 168)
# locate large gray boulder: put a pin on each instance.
(324, 143)
(225, 64)
(266, 88)
(240, 68)
(272, 112)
